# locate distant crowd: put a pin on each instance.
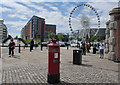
(86, 47)
(96, 47)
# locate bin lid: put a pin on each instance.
(77, 49)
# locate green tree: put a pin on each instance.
(79, 39)
(87, 38)
(71, 38)
(93, 38)
(60, 37)
(99, 38)
(16, 37)
(51, 35)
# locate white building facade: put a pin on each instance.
(3, 30)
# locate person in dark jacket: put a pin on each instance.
(11, 47)
(84, 48)
(94, 48)
(31, 45)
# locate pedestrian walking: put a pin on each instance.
(84, 48)
(81, 46)
(78, 45)
(94, 48)
(31, 45)
(101, 50)
(11, 47)
(87, 47)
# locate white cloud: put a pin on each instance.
(5, 9)
(51, 6)
(103, 0)
(14, 34)
(18, 10)
(45, 0)
(63, 0)
(54, 8)
(15, 24)
(24, 17)
(54, 17)
(104, 7)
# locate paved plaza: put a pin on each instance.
(32, 67)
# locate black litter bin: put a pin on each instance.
(77, 56)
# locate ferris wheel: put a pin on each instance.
(84, 20)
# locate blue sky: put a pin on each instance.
(17, 13)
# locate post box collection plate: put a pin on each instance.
(55, 55)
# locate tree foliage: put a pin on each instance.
(99, 38)
(60, 37)
(71, 38)
(93, 38)
(51, 35)
(16, 37)
(87, 38)
(79, 39)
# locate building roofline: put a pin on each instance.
(49, 25)
(31, 19)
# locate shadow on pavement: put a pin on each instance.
(16, 56)
(86, 65)
(85, 60)
(64, 83)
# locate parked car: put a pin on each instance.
(45, 43)
(67, 43)
(35, 43)
(73, 44)
(62, 44)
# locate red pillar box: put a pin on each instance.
(53, 63)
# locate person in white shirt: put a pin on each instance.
(101, 50)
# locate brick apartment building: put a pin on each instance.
(37, 29)
(49, 28)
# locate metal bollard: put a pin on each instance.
(19, 49)
(67, 47)
(41, 47)
(24, 46)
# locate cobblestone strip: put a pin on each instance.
(17, 72)
(15, 79)
(9, 74)
(35, 73)
(21, 76)
(28, 76)
(41, 77)
(3, 76)
(24, 75)
(32, 74)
